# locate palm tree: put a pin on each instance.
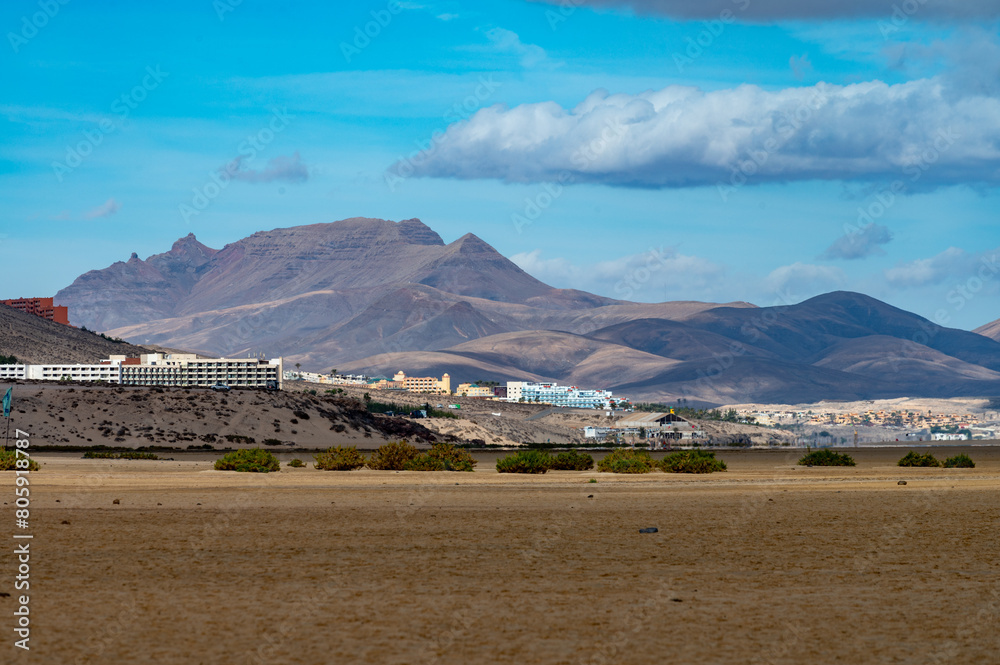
(297, 366)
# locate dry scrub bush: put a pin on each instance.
(392, 456)
(917, 459)
(250, 460)
(572, 461)
(340, 458)
(442, 457)
(692, 461)
(8, 461)
(626, 460)
(525, 461)
(826, 457)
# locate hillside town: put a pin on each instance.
(532, 392)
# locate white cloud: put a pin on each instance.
(860, 243)
(951, 264)
(656, 274)
(106, 209)
(683, 136)
(507, 41)
(805, 280)
(290, 169)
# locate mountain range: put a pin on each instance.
(379, 296)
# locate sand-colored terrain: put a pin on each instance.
(767, 563)
(131, 417)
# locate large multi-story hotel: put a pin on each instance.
(556, 395)
(159, 369)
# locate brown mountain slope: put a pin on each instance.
(991, 330)
(34, 340)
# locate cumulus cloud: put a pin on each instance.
(106, 209)
(859, 243)
(290, 169)
(953, 264)
(682, 136)
(645, 276)
(777, 10)
(507, 41)
(804, 279)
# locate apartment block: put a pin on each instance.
(42, 307)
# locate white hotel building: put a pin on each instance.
(158, 369)
(556, 395)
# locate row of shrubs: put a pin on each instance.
(537, 461)
(638, 461)
(401, 456)
(128, 454)
(826, 457)
(392, 456)
(961, 461)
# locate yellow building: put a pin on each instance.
(424, 384)
(473, 390)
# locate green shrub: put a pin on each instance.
(8, 461)
(826, 457)
(626, 460)
(442, 457)
(272, 442)
(916, 459)
(392, 456)
(961, 461)
(239, 438)
(692, 461)
(525, 461)
(572, 460)
(250, 460)
(340, 459)
(425, 463)
(296, 464)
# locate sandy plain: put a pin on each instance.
(767, 563)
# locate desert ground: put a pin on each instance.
(172, 562)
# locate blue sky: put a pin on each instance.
(629, 148)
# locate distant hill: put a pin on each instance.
(991, 330)
(379, 296)
(34, 340)
(326, 294)
(844, 346)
